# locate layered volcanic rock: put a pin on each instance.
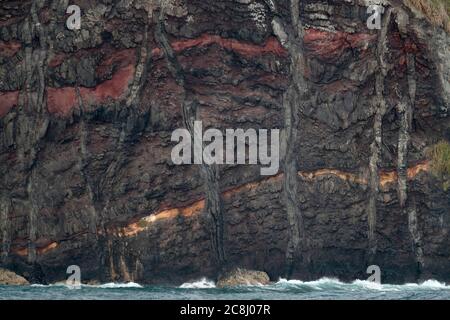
(86, 117)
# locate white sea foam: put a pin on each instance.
(316, 283)
(329, 283)
(435, 284)
(371, 285)
(203, 283)
(429, 284)
(112, 285)
(57, 284)
(322, 284)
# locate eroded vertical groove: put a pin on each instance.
(214, 208)
(405, 110)
(402, 157)
(141, 67)
(5, 226)
(84, 158)
(413, 223)
(290, 189)
(32, 227)
(120, 157)
(291, 37)
(413, 227)
(41, 54)
(376, 146)
(100, 201)
(94, 208)
(110, 178)
(210, 174)
(35, 62)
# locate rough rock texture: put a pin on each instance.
(9, 278)
(242, 277)
(86, 118)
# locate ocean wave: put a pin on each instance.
(429, 284)
(38, 285)
(323, 284)
(370, 285)
(58, 284)
(113, 285)
(319, 284)
(203, 283)
(426, 285)
(109, 285)
(332, 283)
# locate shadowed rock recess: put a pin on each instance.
(86, 118)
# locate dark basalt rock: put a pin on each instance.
(86, 118)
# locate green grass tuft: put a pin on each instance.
(440, 162)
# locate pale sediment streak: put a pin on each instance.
(387, 181)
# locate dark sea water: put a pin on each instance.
(203, 289)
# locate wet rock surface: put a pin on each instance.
(86, 118)
(9, 278)
(242, 277)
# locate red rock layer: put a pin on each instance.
(61, 101)
(7, 101)
(331, 45)
(9, 49)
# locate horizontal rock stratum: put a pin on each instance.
(86, 118)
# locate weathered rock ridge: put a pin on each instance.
(10, 278)
(86, 118)
(243, 277)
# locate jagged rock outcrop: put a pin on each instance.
(86, 118)
(9, 278)
(242, 277)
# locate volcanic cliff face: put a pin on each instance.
(86, 118)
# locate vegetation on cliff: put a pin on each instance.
(440, 162)
(437, 11)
